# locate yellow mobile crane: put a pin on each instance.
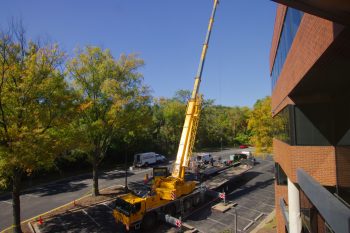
(132, 209)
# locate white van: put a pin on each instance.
(203, 158)
(249, 155)
(145, 159)
(160, 158)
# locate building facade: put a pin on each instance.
(310, 81)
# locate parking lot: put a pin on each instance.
(255, 200)
(253, 193)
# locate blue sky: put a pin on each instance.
(168, 35)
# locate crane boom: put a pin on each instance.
(131, 209)
(204, 52)
(189, 129)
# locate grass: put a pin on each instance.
(271, 225)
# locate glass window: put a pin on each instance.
(345, 141)
(281, 177)
(307, 134)
(290, 27)
(283, 124)
(292, 126)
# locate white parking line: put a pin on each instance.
(91, 218)
(252, 209)
(107, 206)
(218, 222)
(142, 171)
(259, 216)
(7, 202)
(239, 216)
(267, 204)
(30, 195)
(249, 224)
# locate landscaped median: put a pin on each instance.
(106, 195)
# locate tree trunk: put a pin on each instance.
(16, 186)
(95, 191)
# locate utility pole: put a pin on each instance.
(221, 143)
(126, 171)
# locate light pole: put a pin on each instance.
(126, 171)
(235, 219)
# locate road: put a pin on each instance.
(253, 192)
(41, 199)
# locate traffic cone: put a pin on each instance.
(40, 221)
(145, 181)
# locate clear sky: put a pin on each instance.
(168, 35)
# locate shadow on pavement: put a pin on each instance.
(246, 190)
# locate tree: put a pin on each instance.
(169, 115)
(182, 96)
(261, 125)
(108, 88)
(35, 108)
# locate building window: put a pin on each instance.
(307, 134)
(345, 141)
(281, 177)
(283, 130)
(290, 27)
(292, 126)
(308, 214)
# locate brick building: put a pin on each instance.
(310, 79)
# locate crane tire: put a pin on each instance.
(196, 200)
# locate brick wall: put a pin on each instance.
(313, 37)
(317, 161)
(343, 164)
(281, 191)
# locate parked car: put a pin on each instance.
(243, 146)
(203, 158)
(160, 158)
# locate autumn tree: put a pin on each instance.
(109, 89)
(35, 108)
(168, 117)
(261, 125)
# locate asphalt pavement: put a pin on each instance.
(41, 199)
(253, 193)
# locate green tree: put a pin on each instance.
(261, 125)
(168, 117)
(35, 109)
(108, 89)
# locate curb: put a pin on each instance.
(263, 222)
